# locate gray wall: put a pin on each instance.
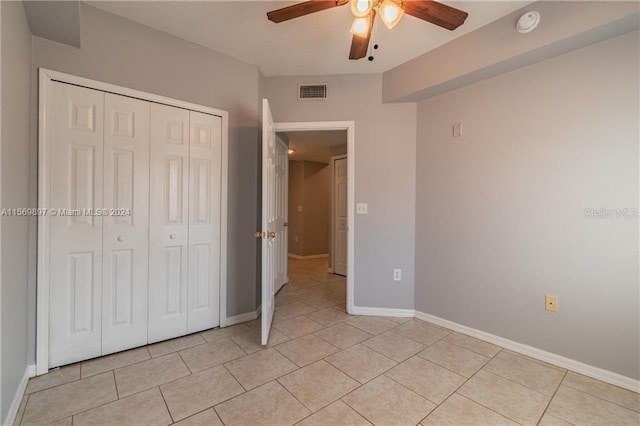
(121, 52)
(501, 210)
(296, 198)
(385, 176)
(317, 205)
(16, 62)
(310, 188)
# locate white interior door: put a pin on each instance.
(75, 315)
(125, 283)
(168, 222)
(204, 221)
(268, 219)
(340, 216)
(282, 189)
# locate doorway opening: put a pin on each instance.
(319, 193)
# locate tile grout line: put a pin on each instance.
(447, 368)
(115, 384)
(596, 396)
(60, 384)
(473, 400)
(311, 412)
(421, 396)
(73, 414)
(235, 378)
(185, 364)
(354, 408)
(380, 353)
(517, 383)
(469, 349)
(358, 381)
(552, 396)
(166, 405)
(122, 366)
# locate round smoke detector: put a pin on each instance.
(528, 22)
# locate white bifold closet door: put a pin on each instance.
(77, 121)
(125, 243)
(184, 257)
(135, 244)
(204, 221)
(99, 258)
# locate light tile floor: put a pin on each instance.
(323, 367)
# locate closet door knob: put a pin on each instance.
(173, 236)
(120, 238)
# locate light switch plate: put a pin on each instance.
(457, 130)
(361, 208)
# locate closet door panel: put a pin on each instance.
(169, 222)
(75, 314)
(125, 225)
(204, 221)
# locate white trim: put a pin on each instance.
(30, 371)
(332, 234)
(248, 316)
(559, 360)
(350, 127)
(1, 287)
(311, 256)
(383, 312)
(46, 77)
(224, 199)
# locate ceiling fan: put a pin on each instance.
(364, 12)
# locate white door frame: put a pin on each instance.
(285, 200)
(349, 126)
(332, 240)
(46, 79)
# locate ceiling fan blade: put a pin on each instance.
(360, 45)
(301, 9)
(437, 13)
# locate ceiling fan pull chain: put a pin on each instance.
(374, 35)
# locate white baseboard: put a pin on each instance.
(382, 312)
(237, 319)
(312, 256)
(551, 358)
(30, 371)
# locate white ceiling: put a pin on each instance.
(317, 145)
(310, 45)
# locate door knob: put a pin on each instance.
(285, 224)
(173, 236)
(271, 234)
(120, 238)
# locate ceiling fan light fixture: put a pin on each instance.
(390, 13)
(361, 8)
(360, 26)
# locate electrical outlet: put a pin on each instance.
(397, 274)
(551, 303)
(362, 208)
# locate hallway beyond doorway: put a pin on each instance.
(311, 287)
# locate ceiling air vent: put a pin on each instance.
(312, 92)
